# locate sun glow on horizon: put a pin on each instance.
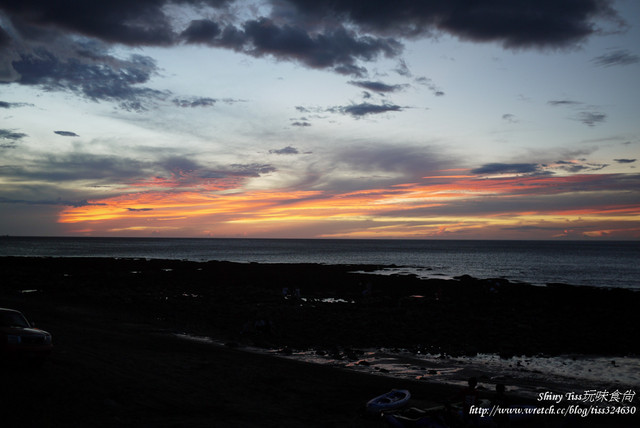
(437, 206)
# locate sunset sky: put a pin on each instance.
(497, 119)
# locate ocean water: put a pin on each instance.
(593, 263)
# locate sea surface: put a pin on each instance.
(593, 263)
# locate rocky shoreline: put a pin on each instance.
(118, 361)
(331, 306)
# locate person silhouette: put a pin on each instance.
(501, 401)
(469, 397)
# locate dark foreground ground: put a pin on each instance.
(117, 363)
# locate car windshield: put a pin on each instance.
(13, 319)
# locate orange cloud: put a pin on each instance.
(401, 210)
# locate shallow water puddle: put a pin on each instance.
(526, 375)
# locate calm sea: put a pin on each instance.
(601, 263)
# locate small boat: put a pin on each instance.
(394, 399)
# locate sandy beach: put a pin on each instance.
(119, 361)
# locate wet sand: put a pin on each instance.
(118, 362)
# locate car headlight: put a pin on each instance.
(12, 339)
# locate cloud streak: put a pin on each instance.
(8, 134)
(365, 109)
(166, 173)
(591, 118)
(285, 151)
(588, 115)
(430, 207)
(66, 133)
(503, 168)
(55, 202)
(378, 86)
(618, 57)
(7, 105)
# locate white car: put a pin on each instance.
(19, 340)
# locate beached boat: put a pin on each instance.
(394, 399)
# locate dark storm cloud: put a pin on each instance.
(192, 102)
(66, 133)
(618, 57)
(376, 167)
(507, 168)
(377, 86)
(195, 102)
(591, 118)
(389, 160)
(336, 48)
(321, 34)
(4, 104)
(574, 167)
(569, 195)
(588, 115)
(597, 166)
(104, 169)
(351, 70)
(76, 166)
(40, 43)
(5, 38)
(178, 164)
(301, 124)
(625, 160)
(44, 178)
(7, 134)
(202, 31)
(558, 198)
(285, 151)
(514, 23)
(59, 201)
(403, 69)
(355, 110)
(425, 81)
(140, 22)
(118, 81)
(187, 171)
(250, 170)
(364, 109)
(139, 209)
(9, 138)
(563, 102)
(511, 118)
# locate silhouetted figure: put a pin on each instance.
(500, 400)
(469, 397)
